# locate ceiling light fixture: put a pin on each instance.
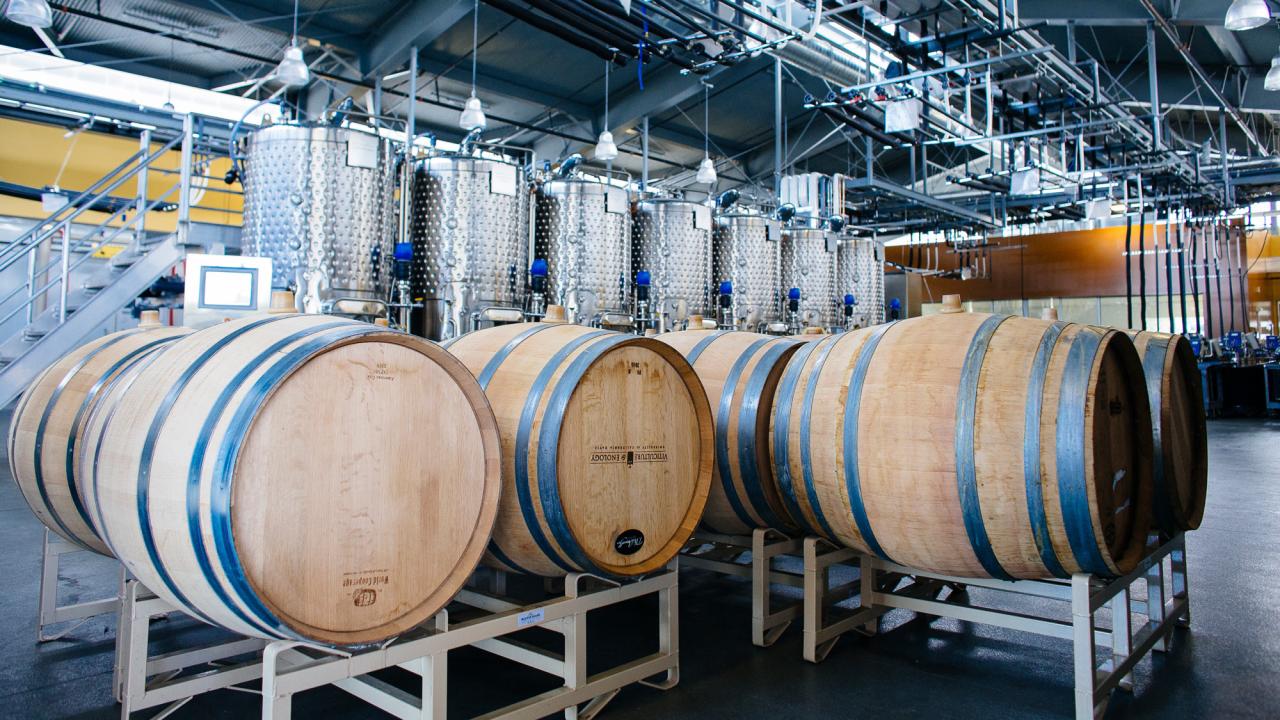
(606, 149)
(1247, 15)
(292, 70)
(1272, 81)
(32, 13)
(707, 169)
(472, 117)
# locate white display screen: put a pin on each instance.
(229, 288)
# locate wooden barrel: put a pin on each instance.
(972, 445)
(740, 373)
(1181, 468)
(607, 447)
(296, 477)
(48, 424)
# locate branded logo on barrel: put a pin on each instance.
(365, 598)
(628, 542)
(628, 455)
(364, 584)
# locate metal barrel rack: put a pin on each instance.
(1155, 593)
(752, 557)
(51, 613)
(285, 668)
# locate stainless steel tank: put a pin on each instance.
(583, 230)
(809, 264)
(747, 253)
(470, 231)
(860, 272)
(671, 239)
(319, 202)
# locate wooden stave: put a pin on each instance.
(221, 600)
(1161, 367)
(843, 529)
(523, 540)
(744, 494)
(42, 460)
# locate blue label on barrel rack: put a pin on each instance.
(628, 542)
(533, 617)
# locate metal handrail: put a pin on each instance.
(25, 241)
(106, 240)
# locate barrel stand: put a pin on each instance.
(725, 554)
(287, 668)
(1159, 605)
(51, 613)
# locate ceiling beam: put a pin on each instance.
(1111, 13)
(1232, 51)
(311, 24)
(416, 25)
(108, 60)
(669, 88)
(491, 82)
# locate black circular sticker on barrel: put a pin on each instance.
(628, 542)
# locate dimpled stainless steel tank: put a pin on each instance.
(809, 263)
(747, 253)
(672, 240)
(860, 269)
(318, 201)
(584, 232)
(470, 232)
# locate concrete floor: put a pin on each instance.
(1227, 665)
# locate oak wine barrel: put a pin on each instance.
(48, 423)
(296, 477)
(1181, 468)
(606, 447)
(971, 445)
(740, 372)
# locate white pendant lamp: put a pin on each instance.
(32, 13)
(707, 169)
(472, 117)
(1272, 81)
(292, 70)
(1247, 15)
(606, 148)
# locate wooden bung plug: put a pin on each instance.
(149, 319)
(282, 302)
(554, 314)
(382, 322)
(951, 304)
(814, 331)
(695, 322)
(1049, 314)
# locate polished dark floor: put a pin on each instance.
(1226, 666)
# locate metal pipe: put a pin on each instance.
(139, 230)
(777, 128)
(1242, 255)
(594, 25)
(1168, 265)
(983, 62)
(558, 29)
(1217, 280)
(644, 153)
(1182, 48)
(1153, 86)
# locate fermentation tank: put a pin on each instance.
(584, 233)
(860, 269)
(671, 239)
(470, 230)
(809, 265)
(747, 254)
(318, 201)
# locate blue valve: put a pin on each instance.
(726, 287)
(404, 251)
(895, 304)
(539, 268)
(850, 300)
(793, 294)
(643, 278)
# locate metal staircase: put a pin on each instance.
(55, 327)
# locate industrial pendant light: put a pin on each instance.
(1247, 15)
(606, 149)
(707, 169)
(1272, 81)
(292, 70)
(32, 13)
(472, 117)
